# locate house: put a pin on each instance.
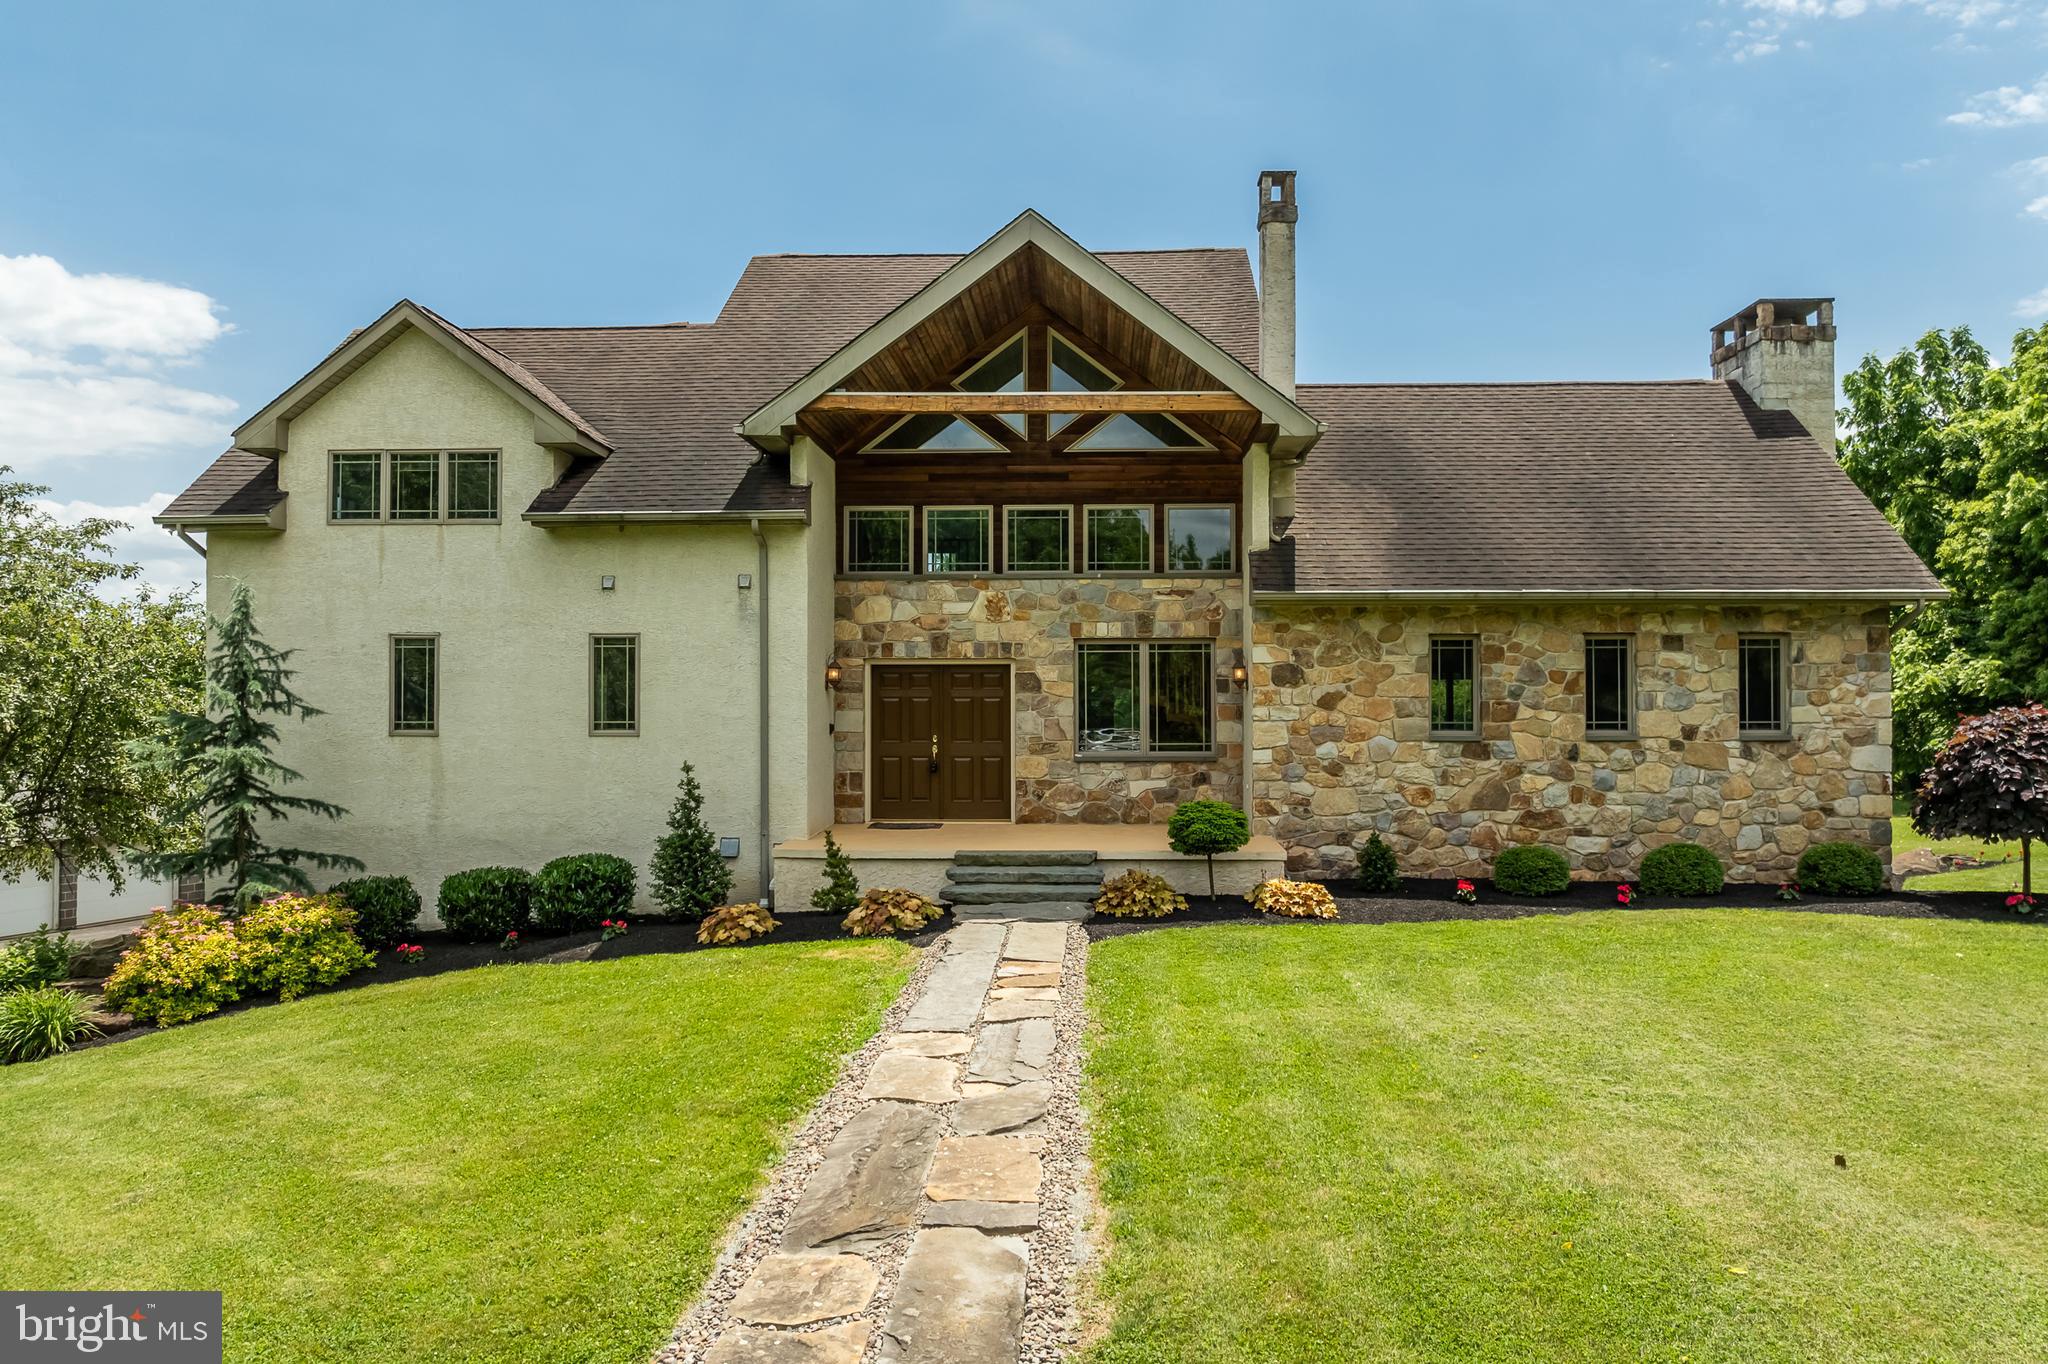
(1022, 548)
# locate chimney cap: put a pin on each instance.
(1780, 312)
(1276, 197)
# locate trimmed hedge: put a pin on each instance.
(387, 908)
(580, 891)
(1841, 869)
(1377, 868)
(485, 903)
(1682, 869)
(1532, 869)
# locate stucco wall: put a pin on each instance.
(514, 776)
(1341, 741)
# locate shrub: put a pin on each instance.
(186, 963)
(1990, 780)
(1532, 869)
(1377, 869)
(882, 911)
(1682, 869)
(689, 875)
(486, 902)
(41, 958)
(729, 924)
(1841, 869)
(1203, 828)
(841, 891)
(296, 942)
(387, 908)
(1139, 895)
(581, 891)
(40, 1021)
(1294, 899)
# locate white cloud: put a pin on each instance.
(2009, 106)
(1917, 164)
(1771, 20)
(79, 356)
(167, 564)
(2039, 208)
(2032, 308)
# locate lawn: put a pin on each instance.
(1597, 1137)
(2005, 877)
(514, 1163)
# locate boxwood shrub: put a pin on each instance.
(580, 891)
(485, 903)
(1682, 869)
(1532, 869)
(387, 908)
(1377, 869)
(1841, 869)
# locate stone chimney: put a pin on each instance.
(1277, 215)
(1782, 350)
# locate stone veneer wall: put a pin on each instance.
(1341, 747)
(1034, 623)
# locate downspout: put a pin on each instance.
(761, 614)
(1244, 707)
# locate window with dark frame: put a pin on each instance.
(1610, 685)
(415, 684)
(615, 684)
(1761, 698)
(1453, 686)
(1137, 698)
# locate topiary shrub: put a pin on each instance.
(387, 908)
(841, 891)
(40, 1021)
(1682, 869)
(1139, 895)
(581, 891)
(1294, 899)
(730, 924)
(485, 903)
(884, 911)
(1377, 869)
(1203, 828)
(1532, 869)
(689, 876)
(1841, 869)
(187, 962)
(41, 958)
(293, 943)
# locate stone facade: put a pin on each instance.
(1341, 742)
(1034, 623)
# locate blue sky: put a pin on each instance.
(197, 201)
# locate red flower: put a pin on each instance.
(1464, 884)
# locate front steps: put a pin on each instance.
(1023, 884)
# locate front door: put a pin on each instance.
(941, 747)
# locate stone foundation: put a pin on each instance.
(1341, 746)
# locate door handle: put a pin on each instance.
(935, 752)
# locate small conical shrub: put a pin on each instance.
(690, 878)
(841, 891)
(1377, 869)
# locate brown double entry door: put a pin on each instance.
(941, 741)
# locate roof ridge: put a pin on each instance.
(596, 327)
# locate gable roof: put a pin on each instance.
(238, 488)
(1622, 490)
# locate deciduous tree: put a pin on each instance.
(1990, 780)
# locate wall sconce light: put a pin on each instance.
(746, 581)
(1237, 674)
(606, 583)
(832, 674)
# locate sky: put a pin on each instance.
(198, 201)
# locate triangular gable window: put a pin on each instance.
(1002, 372)
(930, 431)
(1140, 431)
(1073, 372)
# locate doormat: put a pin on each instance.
(933, 825)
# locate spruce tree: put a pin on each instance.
(223, 757)
(690, 878)
(841, 892)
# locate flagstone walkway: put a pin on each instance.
(932, 1210)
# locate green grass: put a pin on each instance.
(2005, 877)
(515, 1163)
(1598, 1137)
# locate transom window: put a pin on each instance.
(1610, 685)
(1038, 540)
(1073, 372)
(615, 684)
(1119, 540)
(878, 539)
(1199, 540)
(1762, 702)
(412, 485)
(1002, 372)
(957, 540)
(1137, 698)
(415, 684)
(1453, 686)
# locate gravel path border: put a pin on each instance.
(1063, 1243)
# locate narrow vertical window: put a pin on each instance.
(1180, 698)
(1761, 701)
(416, 486)
(1119, 539)
(1453, 686)
(1610, 685)
(473, 485)
(1109, 705)
(355, 486)
(615, 684)
(878, 540)
(415, 684)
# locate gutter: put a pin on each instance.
(761, 615)
(660, 518)
(1494, 594)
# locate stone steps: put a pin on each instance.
(1063, 875)
(1079, 857)
(1043, 884)
(1012, 892)
(1039, 911)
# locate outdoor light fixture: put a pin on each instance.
(1237, 674)
(746, 581)
(832, 674)
(606, 583)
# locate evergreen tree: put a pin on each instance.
(690, 878)
(229, 776)
(841, 892)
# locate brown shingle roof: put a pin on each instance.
(239, 483)
(1681, 487)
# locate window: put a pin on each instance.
(1119, 539)
(1002, 372)
(357, 494)
(1761, 688)
(931, 431)
(615, 684)
(415, 684)
(1610, 685)
(1073, 372)
(1141, 431)
(1038, 540)
(956, 540)
(1198, 539)
(473, 485)
(416, 486)
(1145, 698)
(878, 539)
(1453, 687)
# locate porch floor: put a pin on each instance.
(1110, 842)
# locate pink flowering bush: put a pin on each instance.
(187, 963)
(296, 942)
(1623, 894)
